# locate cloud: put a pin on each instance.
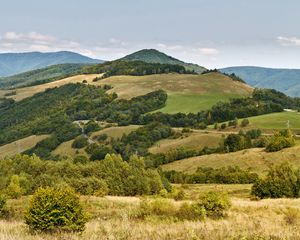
(208, 51)
(33, 41)
(289, 41)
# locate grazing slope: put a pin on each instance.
(284, 80)
(20, 146)
(40, 76)
(193, 141)
(154, 56)
(256, 159)
(186, 93)
(14, 63)
(21, 93)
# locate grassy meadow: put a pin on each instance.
(115, 218)
(255, 159)
(26, 92)
(195, 140)
(20, 146)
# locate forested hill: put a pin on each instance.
(42, 75)
(14, 63)
(284, 80)
(155, 56)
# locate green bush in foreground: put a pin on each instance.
(215, 204)
(55, 210)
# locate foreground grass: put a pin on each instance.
(112, 219)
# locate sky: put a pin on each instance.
(211, 33)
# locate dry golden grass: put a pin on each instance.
(65, 150)
(194, 141)
(115, 132)
(25, 92)
(20, 146)
(256, 159)
(131, 86)
(250, 220)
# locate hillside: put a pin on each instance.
(256, 159)
(284, 80)
(14, 63)
(155, 56)
(186, 93)
(40, 76)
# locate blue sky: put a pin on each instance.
(213, 33)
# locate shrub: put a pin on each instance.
(245, 122)
(2, 203)
(214, 203)
(80, 142)
(223, 125)
(180, 195)
(191, 211)
(102, 137)
(14, 190)
(55, 210)
(281, 181)
(280, 140)
(158, 207)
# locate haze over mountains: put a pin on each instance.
(283, 80)
(14, 63)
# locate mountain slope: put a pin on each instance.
(14, 63)
(186, 92)
(40, 76)
(154, 56)
(284, 80)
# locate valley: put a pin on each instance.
(146, 145)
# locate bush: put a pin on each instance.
(280, 140)
(2, 203)
(281, 181)
(191, 211)
(14, 190)
(158, 207)
(215, 204)
(245, 122)
(80, 142)
(55, 210)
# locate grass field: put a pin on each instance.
(115, 132)
(25, 92)
(65, 150)
(193, 141)
(20, 146)
(113, 218)
(276, 120)
(255, 159)
(270, 122)
(187, 93)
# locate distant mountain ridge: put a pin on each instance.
(283, 80)
(155, 56)
(15, 63)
